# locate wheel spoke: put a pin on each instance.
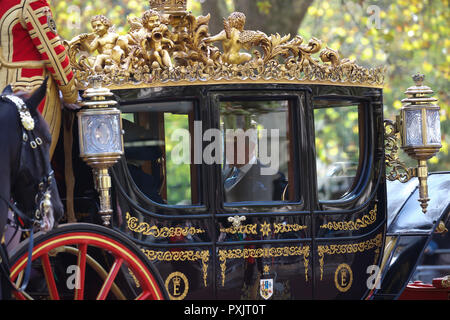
(110, 279)
(143, 296)
(99, 256)
(79, 290)
(21, 295)
(48, 272)
(92, 263)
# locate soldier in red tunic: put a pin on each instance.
(28, 34)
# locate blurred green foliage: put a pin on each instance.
(337, 149)
(178, 177)
(410, 36)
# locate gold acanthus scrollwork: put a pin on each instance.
(273, 252)
(364, 222)
(182, 255)
(349, 248)
(134, 225)
(160, 48)
(398, 169)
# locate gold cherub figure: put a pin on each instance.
(104, 43)
(155, 43)
(234, 38)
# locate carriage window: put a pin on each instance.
(337, 149)
(256, 151)
(151, 134)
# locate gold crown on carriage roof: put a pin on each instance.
(169, 6)
(170, 46)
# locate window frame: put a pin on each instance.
(297, 105)
(196, 174)
(365, 124)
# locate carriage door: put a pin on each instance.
(349, 215)
(262, 223)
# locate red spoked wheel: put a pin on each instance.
(85, 261)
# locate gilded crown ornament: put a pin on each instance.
(164, 47)
(169, 6)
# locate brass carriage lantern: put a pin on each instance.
(101, 139)
(420, 132)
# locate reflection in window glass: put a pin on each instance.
(256, 152)
(178, 174)
(149, 143)
(337, 150)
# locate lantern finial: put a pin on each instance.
(418, 78)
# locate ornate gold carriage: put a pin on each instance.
(321, 228)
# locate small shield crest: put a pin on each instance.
(266, 288)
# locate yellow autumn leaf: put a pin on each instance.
(397, 104)
(427, 67)
(367, 54)
(365, 41)
(312, 10)
(434, 160)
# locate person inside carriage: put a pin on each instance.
(245, 177)
(147, 183)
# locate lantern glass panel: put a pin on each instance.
(101, 134)
(433, 127)
(413, 128)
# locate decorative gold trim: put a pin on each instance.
(183, 255)
(399, 169)
(180, 83)
(364, 222)
(287, 227)
(350, 248)
(244, 229)
(52, 112)
(21, 64)
(266, 269)
(134, 225)
(176, 49)
(225, 254)
(136, 280)
(265, 228)
(441, 228)
(390, 243)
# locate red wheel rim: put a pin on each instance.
(121, 253)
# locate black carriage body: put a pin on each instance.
(300, 248)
